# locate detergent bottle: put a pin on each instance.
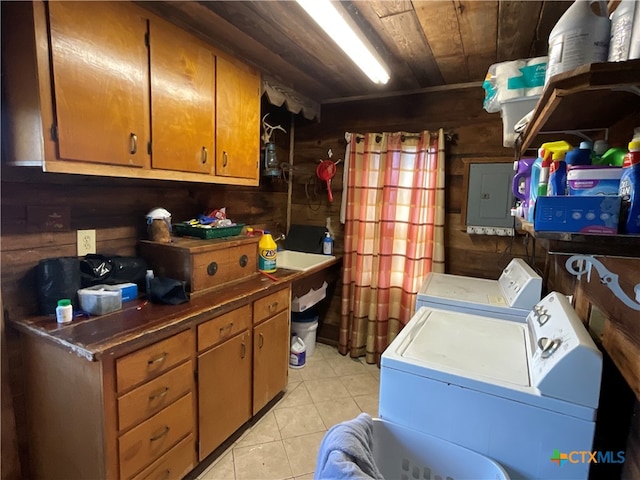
(579, 156)
(267, 253)
(536, 168)
(580, 37)
(630, 196)
(521, 186)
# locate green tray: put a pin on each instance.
(185, 230)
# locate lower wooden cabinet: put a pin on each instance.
(224, 391)
(138, 413)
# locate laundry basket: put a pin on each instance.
(407, 454)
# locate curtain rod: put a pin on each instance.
(449, 136)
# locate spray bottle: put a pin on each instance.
(549, 149)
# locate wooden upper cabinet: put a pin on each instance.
(182, 100)
(237, 120)
(100, 82)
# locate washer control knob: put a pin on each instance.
(548, 346)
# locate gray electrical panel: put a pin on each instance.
(489, 199)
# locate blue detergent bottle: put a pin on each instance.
(630, 196)
(536, 167)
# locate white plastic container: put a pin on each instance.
(307, 333)
(512, 112)
(100, 299)
(400, 452)
(625, 32)
(580, 37)
(297, 358)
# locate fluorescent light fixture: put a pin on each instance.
(332, 22)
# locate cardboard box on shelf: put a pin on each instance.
(578, 214)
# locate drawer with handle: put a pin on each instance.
(153, 396)
(223, 327)
(150, 361)
(270, 305)
(148, 441)
(176, 463)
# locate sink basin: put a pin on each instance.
(301, 261)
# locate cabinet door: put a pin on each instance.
(182, 100)
(224, 397)
(270, 359)
(101, 82)
(237, 120)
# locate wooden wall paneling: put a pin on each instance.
(9, 445)
(631, 468)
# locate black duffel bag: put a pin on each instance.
(111, 269)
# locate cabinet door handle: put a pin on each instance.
(158, 359)
(160, 435)
(273, 306)
(243, 350)
(260, 340)
(133, 139)
(163, 393)
(226, 327)
(205, 154)
(225, 159)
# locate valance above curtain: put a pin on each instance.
(278, 95)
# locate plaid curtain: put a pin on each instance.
(394, 234)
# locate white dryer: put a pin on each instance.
(511, 297)
(519, 393)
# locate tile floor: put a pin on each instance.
(284, 443)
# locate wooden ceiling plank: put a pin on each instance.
(517, 23)
(384, 8)
(409, 39)
(479, 32)
(439, 22)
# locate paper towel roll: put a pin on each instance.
(536, 75)
(506, 71)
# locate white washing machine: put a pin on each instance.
(519, 393)
(511, 297)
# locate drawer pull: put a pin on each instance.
(212, 268)
(243, 350)
(227, 327)
(160, 435)
(273, 306)
(244, 261)
(167, 474)
(134, 143)
(260, 340)
(158, 359)
(163, 393)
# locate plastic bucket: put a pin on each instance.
(306, 330)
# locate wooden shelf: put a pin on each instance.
(593, 96)
(586, 243)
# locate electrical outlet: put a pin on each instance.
(86, 242)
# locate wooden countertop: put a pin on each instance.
(139, 322)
